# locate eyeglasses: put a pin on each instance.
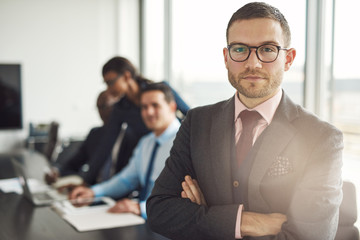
(111, 82)
(266, 53)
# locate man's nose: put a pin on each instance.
(253, 60)
(150, 111)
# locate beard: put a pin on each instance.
(255, 89)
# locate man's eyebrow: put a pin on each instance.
(263, 43)
(232, 43)
(271, 42)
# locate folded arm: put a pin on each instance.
(252, 224)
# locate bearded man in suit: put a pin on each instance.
(257, 166)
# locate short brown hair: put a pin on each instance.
(261, 10)
(163, 87)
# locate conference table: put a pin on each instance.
(21, 220)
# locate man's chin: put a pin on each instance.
(254, 95)
(252, 92)
(150, 126)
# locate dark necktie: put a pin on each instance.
(144, 190)
(249, 120)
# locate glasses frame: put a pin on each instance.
(256, 51)
(112, 82)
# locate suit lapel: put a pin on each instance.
(274, 139)
(221, 141)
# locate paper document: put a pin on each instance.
(102, 220)
(91, 214)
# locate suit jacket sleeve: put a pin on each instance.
(102, 151)
(74, 163)
(177, 218)
(82, 155)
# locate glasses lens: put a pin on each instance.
(111, 82)
(239, 52)
(268, 53)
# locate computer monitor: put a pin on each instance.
(10, 97)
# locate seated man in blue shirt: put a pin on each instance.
(158, 112)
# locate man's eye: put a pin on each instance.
(268, 49)
(240, 49)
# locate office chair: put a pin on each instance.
(348, 214)
(52, 140)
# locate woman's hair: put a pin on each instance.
(120, 65)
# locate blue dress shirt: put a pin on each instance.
(133, 175)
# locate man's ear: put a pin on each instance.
(289, 59)
(226, 56)
(173, 106)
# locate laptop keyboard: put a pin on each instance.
(43, 196)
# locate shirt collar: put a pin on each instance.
(168, 133)
(266, 109)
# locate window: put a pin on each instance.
(153, 50)
(198, 38)
(346, 95)
(346, 88)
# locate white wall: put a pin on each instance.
(62, 46)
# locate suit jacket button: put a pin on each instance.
(235, 183)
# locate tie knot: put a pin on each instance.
(249, 117)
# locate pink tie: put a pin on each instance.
(249, 120)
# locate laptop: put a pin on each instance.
(45, 197)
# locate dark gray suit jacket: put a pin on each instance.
(296, 171)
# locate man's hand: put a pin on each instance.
(126, 205)
(192, 191)
(257, 224)
(51, 175)
(80, 196)
(68, 188)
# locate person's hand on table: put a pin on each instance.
(68, 188)
(51, 175)
(80, 196)
(126, 205)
